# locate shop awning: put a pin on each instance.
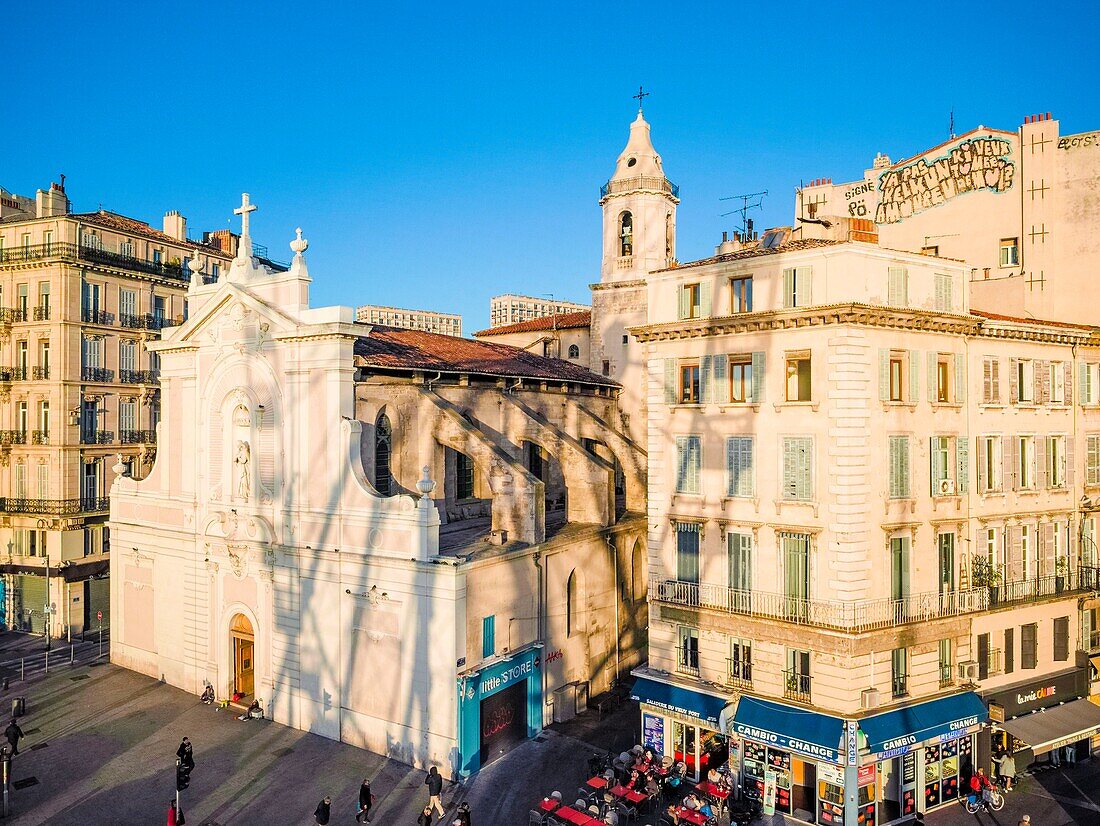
(682, 701)
(787, 727)
(899, 730)
(1055, 727)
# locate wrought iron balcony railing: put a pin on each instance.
(56, 507)
(859, 616)
(739, 673)
(138, 376)
(148, 321)
(97, 316)
(40, 373)
(13, 437)
(42, 313)
(796, 686)
(80, 252)
(653, 182)
(40, 437)
(137, 437)
(97, 374)
(687, 662)
(97, 437)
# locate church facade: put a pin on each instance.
(425, 546)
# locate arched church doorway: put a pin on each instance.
(244, 645)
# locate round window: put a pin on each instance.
(631, 162)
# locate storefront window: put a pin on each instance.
(830, 803)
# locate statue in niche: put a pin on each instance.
(244, 479)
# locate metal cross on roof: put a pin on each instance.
(245, 208)
(640, 96)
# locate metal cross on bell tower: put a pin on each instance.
(640, 97)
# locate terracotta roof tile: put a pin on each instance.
(1040, 321)
(561, 321)
(755, 252)
(391, 348)
(112, 220)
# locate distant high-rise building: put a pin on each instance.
(447, 324)
(512, 309)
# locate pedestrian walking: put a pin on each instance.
(434, 782)
(366, 800)
(323, 811)
(186, 754)
(425, 818)
(13, 733)
(1006, 771)
(1025, 821)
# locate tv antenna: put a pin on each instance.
(749, 200)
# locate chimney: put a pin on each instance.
(175, 225)
(50, 203)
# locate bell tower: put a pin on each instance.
(639, 211)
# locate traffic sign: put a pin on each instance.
(99, 615)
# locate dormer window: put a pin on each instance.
(626, 235)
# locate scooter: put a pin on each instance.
(747, 809)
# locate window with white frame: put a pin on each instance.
(945, 299)
(897, 290)
(899, 467)
(1025, 462)
(687, 659)
(43, 480)
(741, 466)
(740, 560)
(1089, 380)
(991, 380)
(943, 466)
(740, 664)
(1010, 252)
(1028, 559)
(798, 467)
(1056, 461)
(740, 367)
(799, 385)
(689, 463)
(1057, 382)
(20, 481)
(1092, 459)
(1025, 381)
(990, 471)
(797, 287)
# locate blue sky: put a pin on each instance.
(438, 154)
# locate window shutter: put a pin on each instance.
(898, 291)
(1042, 382)
(960, 379)
(941, 301)
(684, 299)
(914, 376)
(932, 377)
(681, 464)
(987, 381)
(721, 379)
(1015, 554)
(1008, 462)
(706, 386)
(788, 288)
(1061, 638)
(962, 454)
(895, 483)
(932, 480)
(1083, 381)
(805, 286)
(1067, 380)
(695, 452)
(732, 468)
(1037, 374)
(705, 299)
(670, 381)
(1069, 462)
(995, 383)
(1013, 382)
(805, 481)
(759, 365)
(1042, 477)
(984, 445)
(883, 374)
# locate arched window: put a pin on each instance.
(626, 234)
(571, 604)
(574, 351)
(668, 236)
(638, 572)
(383, 443)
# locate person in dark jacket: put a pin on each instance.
(323, 811)
(425, 818)
(186, 754)
(365, 801)
(13, 733)
(434, 782)
(464, 814)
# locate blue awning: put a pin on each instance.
(895, 732)
(682, 701)
(790, 728)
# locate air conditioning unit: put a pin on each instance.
(968, 670)
(868, 698)
(947, 487)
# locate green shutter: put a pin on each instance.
(1083, 383)
(704, 299)
(805, 286)
(670, 382)
(914, 376)
(681, 464)
(759, 367)
(788, 288)
(695, 452)
(883, 374)
(932, 377)
(721, 379)
(685, 310)
(960, 379)
(706, 387)
(962, 452)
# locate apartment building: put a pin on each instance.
(447, 324)
(80, 296)
(512, 309)
(867, 524)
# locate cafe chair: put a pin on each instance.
(537, 818)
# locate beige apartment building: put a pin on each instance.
(512, 308)
(80, 296)
(872, 511)
(448, 324)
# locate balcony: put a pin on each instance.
(992, 664)
(10, 315)
(78, 252)
(859, 616)
(18, 373)
(687, 662)
(56, 507)
(97, 437)
(40, 373)
(738, 673)
(100, 374)
(42, 313)
(148, 321)
(97, 317)
(660, 184)
(40, 437)
(947, 676)
(137, 437)
(13, 437)
(796, 686)
(139, 376)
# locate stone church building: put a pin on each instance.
(422, 545)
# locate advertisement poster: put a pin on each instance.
(653, 733)
(769, 792)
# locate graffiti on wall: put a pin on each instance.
(971, 166)
(856, 198)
